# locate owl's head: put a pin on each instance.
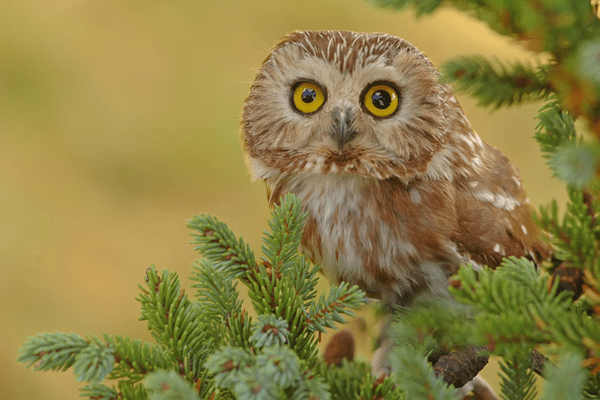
(328, 102)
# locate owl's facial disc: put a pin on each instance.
(349, 104)
(342, 131)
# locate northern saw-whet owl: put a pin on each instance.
(398, 187)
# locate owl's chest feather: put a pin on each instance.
(360, 233)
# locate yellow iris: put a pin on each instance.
(307, 97)
(381, 100)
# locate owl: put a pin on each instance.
(398, 188)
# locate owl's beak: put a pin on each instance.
(342, 132)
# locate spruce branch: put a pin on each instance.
(218, 244)
(219, 305)
(51, 351)
(512, 287)
(94, 362)
(518, 380)
(341, 300)
(130, 391)
(134, 359)
(555, 128)
(544, 25)
(280, 364)
(303, 279)
(345, 381)
(514, 310)
(124, 391)
(268, 290)
(498, 86)
(173, 319)
(416, 377)
(354, 380)
(239, 329)
(569, 158)
(444, 334)
(226, 364)
(577, 233)
(311, 387)
(269, 330)
(518, 306)
(280, 286)
(252, 385)
(217, 301)
(280, 246)
(526, 311)
(265, 375)
(270, 279)
(100, 392)
(215, 291)
(168, 385)
(382, 388)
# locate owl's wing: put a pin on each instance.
(494, 215)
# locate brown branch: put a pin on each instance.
(461, 366)
(538, 360)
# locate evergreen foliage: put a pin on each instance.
(353, 380)
(498, 86)
(211, 348)
(518, 381)
(416, 375)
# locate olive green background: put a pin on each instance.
(120, 119)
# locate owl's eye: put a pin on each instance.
(307, 97)
(381, 100)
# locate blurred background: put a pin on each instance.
(120, 119)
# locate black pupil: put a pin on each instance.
(381, 99)
(309, 95)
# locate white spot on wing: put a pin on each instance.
(485, 195)
(415, 196)
(507, 202)
(477, 161)
(497, 248)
